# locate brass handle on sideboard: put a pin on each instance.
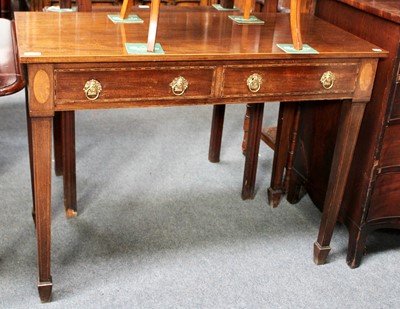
(254, 82)
(92, 89)
(327, 80)
(179, 85)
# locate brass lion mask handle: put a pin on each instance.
(179, 85)
(254, 82)
(92, 89)
(327, 80)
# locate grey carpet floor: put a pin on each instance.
(159, 226)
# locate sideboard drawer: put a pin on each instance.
(391, 147)
(395, 114)
(133, 84)
(385, 197)
(289, 79)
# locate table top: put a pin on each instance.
(388, 9)
(45, 37)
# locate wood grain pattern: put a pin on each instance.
(388, 9)
(153, 25)
(41, 86)
(101, 41)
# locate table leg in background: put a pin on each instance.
(217, 125)
(253, 145)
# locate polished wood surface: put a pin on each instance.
(154, 16)
(374, 191)
(94, 38)
(224, 63)
(387, 9)
(295, 24)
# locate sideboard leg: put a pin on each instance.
(30, 150)
(245, 129)
(356, 247)
(253, 145)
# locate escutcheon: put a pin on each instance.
(92, 89)
(327, 80)
(179, 85)
(254, 82)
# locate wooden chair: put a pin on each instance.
(282, 137)
(11, 77)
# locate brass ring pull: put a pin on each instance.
(254, 82)
(327, 80)
(179, 85)
(92, 89)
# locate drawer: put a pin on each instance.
(395, 114)
(385, 199)
(390, 153)
(132, 84)
(289, 79)
(398, 74)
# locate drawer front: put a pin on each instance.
(398, 73)
(289, 79)
(395, 114)
(390, 153)
(133, 84)
(385, 199)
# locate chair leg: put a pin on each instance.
(285, 123)
(292, 148)
(296, 188)
(216, 133)
(69, 162)
(245, 129)
(29, 129)
(64, 158)
(57, 137)
(253, 144)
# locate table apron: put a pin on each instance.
(152, 85)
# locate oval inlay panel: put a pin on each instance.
(368, 72)
(41, 86)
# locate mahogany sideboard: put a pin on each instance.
(208, 59)
(373, 186)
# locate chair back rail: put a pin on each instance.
(11, 77)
